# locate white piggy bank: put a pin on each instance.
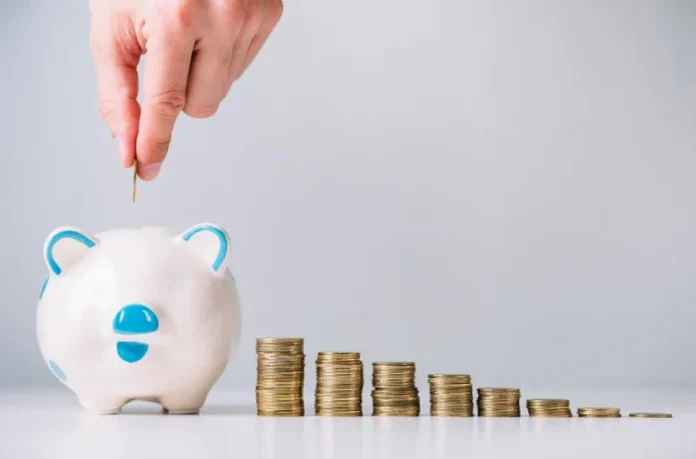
(138, 314)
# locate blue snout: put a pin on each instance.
(134, 319)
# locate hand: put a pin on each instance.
(195, 50)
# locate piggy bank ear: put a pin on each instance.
(210, 243)
(65, 246)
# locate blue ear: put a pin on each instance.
(210, 242)
(65, 246)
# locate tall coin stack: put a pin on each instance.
(549, 408)
(394, 390)
(498, 402)
(339, 384)
(280, 376)
(450, 395)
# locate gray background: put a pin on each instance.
(500, 188)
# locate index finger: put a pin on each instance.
(164, 97)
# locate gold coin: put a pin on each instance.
(280, 345)
(547, 401)
(449, 379)
(135, 177)
(599, 410)
(336, 414)
(278, 358)
(497, 390)
(338, 356)
(650, 415)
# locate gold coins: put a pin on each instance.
(135, 176)
(339, 384)
(498, 402)
(549, 408)
(451, 395)
(650, 415)
(280, 376)
(599, 412)
(394, 389)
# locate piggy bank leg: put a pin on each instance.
(184, 403)
(102, 405)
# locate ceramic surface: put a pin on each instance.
(138, 314)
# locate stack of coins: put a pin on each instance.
(599, 412)
(394, 389)
(549, 408)
(450, 395)
(498, 402)
(280, 376)
(339, 384)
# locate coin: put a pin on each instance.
(498, 402)
(135, 176)
(280, 345)
(394, 392)
(650, 415)
(280, 376)
(451, 395)
(599, 412)
(339, 384)
(549, 408)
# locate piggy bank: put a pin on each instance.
(138, 314)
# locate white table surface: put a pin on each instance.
(50, 424)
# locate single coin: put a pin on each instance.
(135, 176)
(497, 390)
(547, 401)
(650, 415)
(338, 356)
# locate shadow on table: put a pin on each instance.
(151, 408)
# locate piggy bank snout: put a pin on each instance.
(134, 320)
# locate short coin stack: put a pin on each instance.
(394, 389)
(339, 384)
(650, 415)
(450, 395)
(280, 376)
(549, 408)
(599, 412)
(498, 402)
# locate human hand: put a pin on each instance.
(195, 50)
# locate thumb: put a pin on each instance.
(116, 54)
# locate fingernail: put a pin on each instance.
(150, 171)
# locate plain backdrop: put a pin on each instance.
(501, 188)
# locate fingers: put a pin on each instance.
(169, 49)
(207, 83)
(116, 54)
(209, 79)
(254, 17)
(274, 11)
(238, 31)
(190, 65)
